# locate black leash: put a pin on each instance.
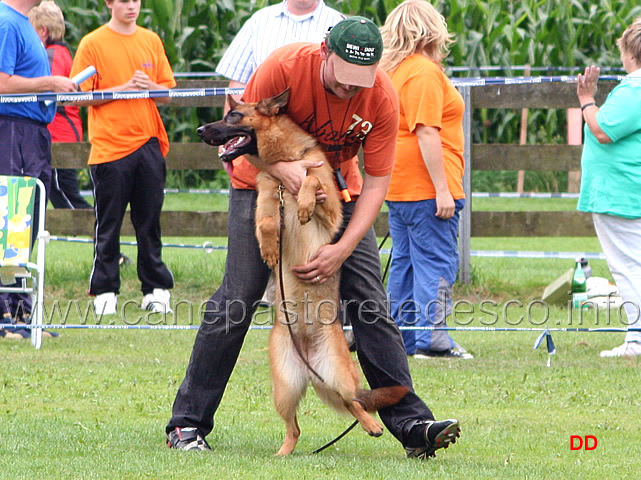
(281, 189)
(389, 259)
(347, 430)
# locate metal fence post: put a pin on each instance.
(465, 222)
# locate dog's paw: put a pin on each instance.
(270, 254)
(371, 426)
(375, 431)
(305, 211)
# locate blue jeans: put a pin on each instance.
(230, 309)
(424, 268)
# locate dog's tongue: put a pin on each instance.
(235, 143)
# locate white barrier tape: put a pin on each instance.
(200, 191)
(223, 191)
(531, 254)
(523, 195)
(524, 254)
(207, 92)
(489, 68)
(128, 95)
(86, 74)
(208, 247)
(491, 81)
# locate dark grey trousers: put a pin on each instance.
(379, 343)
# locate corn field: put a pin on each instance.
(507, 34)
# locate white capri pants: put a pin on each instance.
(621, 243)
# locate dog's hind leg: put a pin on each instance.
(340, 388)
(369, 424)
(341, 379)
(290, 379)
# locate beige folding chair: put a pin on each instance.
(17, 209)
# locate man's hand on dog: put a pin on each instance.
(327, 261)
(291, 175)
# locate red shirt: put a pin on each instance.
(369, 119)
(66, 125)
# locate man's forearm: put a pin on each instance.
(18, 84)
(366, 210)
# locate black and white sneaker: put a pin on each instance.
(450, 353)
(188, 438)
(427, 436)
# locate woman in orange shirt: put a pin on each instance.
(426, 190)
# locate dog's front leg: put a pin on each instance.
(307, 198)
(268, 218)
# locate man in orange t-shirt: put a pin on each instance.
(339, 96)
(128, 146)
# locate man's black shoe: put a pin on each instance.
(188, 438)
(427, 436)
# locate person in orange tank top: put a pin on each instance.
(426, 189)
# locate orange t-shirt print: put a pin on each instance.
(370, 119)
(119, 128)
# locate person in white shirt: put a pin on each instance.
(273, 27)
(265, 31)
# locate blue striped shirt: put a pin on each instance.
(268, 29)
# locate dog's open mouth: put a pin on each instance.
(235, 141)
(234, 145)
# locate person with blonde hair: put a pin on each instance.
(611, 178)
(49, 22)
(426, 189)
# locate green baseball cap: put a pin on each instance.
(358, 44)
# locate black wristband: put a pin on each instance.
(583, 107)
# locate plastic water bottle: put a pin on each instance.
(587, 269)
(579, 278)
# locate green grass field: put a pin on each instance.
(93, 404)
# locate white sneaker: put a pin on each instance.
(628, 349)
(106, 304)
(157, 302)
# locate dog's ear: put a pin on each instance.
(274, 105)
(232, 102)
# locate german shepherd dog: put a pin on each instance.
(313, 347)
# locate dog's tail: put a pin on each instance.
(373, 400)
